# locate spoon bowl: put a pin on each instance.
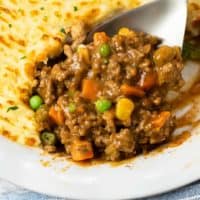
(165, 19)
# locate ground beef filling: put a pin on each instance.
(106, 99)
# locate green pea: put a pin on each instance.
(72, 107)
(105, 50)
(103, 105)
(35, 102)
(48, 138)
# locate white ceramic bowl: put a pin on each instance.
(144, 176)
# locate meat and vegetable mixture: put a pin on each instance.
(106, 99)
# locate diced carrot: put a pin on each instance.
(56, 115)
(132, 90)
(148, 80)
(89, 89)
(160, 120)
(81, 150)
(100, 38)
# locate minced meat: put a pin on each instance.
(107, 98)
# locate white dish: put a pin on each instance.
(144, 176)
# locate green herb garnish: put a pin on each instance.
(23, 57)
(12, 108)
(62, 30)
(75, 8)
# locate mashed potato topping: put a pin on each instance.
(31, 31)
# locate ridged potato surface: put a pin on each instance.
(30, 33)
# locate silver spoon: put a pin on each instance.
(165, 19)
